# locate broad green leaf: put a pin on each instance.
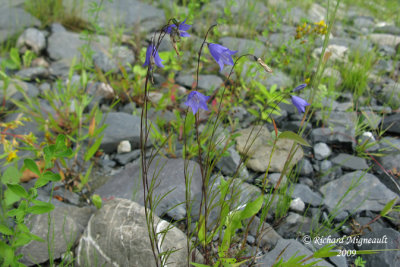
(18, 190)
(11, 176)
(5, 230)
(388, 207)
(6, 253)
(294, 137)
(252, 208)
(32, 166)
(41, 208)
(96, 199)
(22, 239)
(93, 149)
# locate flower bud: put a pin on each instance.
(265, 66)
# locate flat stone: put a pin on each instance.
(387, 240)
(385, 39)
(13, 20)
(350, 162)
(118, 57)
(268, 236)
(11, 92)
(169, 175)
(306, 195)
(125, 158)
(117, 235)
(67, 225)
(120, 126)
(260, 150)
(305, 167)
(229, 164)
(392, 123)
(127, 14)
(65, 46)
(390, 95)
(370, 194)
(294, 223)
(285, 249)
(33, 73)
(338, 52)
(207, 82)
(391, 146)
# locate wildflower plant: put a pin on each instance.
(205, 147)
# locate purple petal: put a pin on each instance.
(148, 54)
(299, 103)
(184, 34)
(300, 87)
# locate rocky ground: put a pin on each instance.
(116, 234)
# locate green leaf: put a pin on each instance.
(10, 197)
(6, 253)
(32, 166)
(294, 137)
(252, 208)
(388, 207)
(11, 176)
(40, 207)
(5, 230)
(199, 264)
(96, 199)
(18, 190)
(92, 150)
(325, 252)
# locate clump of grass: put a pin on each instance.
(355, 72)
(49, 12)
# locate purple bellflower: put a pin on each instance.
(197, 100)
(221, 54)
(182, 28)
(299, 102)
(152, 57)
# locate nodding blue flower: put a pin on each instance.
(152, 57)
(197, 100)
(299, 103)
(221, 54)
(182, 28)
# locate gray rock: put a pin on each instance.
(316, 13)
(322, 151)
(306, 195)
(338, 52)
(267, 235)
(389, 29)
(65, 46)
(117, 235)
(257, 144)
(385, 239)
(229, 164)
(384, 39)
(32, 39)
(128, 14)
(293, 224)
(326, 165)
(390, 95)
(120, 126)
(123, 159)
(392, 123)
(350, 162)
(297, 205)
(285, 249)
(120, 56)
(305, 167)
(11, 92)
(67, 225)
(33, 73)
(391, 148)
(206, 82)
(369, 194)
(59, 69)
(13, 20)
(169, 175)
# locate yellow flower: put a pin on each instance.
(12, 155)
